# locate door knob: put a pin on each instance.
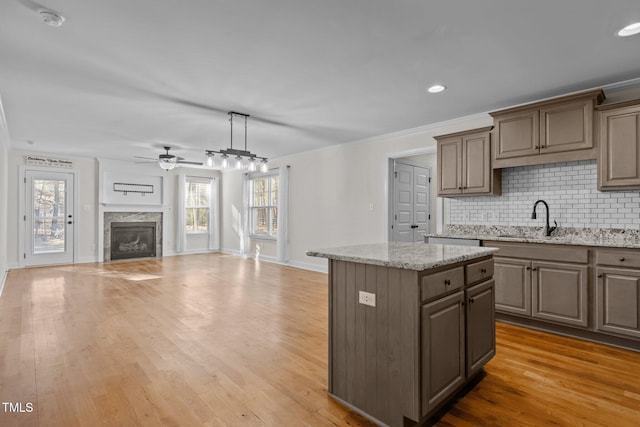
(69, 222)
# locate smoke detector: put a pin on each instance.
(50, 17)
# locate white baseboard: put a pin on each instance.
(232, 252)
(296, 264)
(85, 260)
(195, 252)
(3, 279)
(311, 267)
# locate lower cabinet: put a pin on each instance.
(481, 326)
(618, 301)
(552, 291)
(513, 285)
(443, 349)
(458, 339)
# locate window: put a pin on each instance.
(263, 206)
(197, 206)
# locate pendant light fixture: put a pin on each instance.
(242, 159)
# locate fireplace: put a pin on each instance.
(133, 240)
(130, 235)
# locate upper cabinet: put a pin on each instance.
(556, 130)
(464, 164)
(619, 139)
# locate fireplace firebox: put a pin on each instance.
(133, 240)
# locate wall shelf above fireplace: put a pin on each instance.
(125, 188)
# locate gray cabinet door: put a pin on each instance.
(517, 134)
(513, 285)
(449, 166)
(618, 301)
(481, 326)
(476, 163)
(619, 165)
(560, 292)
(566, 127)
(443, 349)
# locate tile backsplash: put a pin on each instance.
(569, 188)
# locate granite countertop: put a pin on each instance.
(599, 237)
(409, 256)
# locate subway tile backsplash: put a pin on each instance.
(569, 188)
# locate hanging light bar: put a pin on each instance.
(243, 158)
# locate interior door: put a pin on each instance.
(403, 203)
(49, 218)
(411, 203)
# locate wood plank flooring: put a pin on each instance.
(216, 340)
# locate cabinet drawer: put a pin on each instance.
(619, 258)
(479, 271)
(437, 284)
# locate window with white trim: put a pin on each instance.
(263, 206)
(197, 205)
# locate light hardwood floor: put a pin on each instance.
(215, 340)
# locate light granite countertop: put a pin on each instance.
(409, 256)
(598, 237)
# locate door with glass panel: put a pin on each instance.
(49, 218)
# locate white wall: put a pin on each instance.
(4, 203)
(331, 190)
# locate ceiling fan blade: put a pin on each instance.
(184, 162)
(146, 158)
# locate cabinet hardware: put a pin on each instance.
(599, 275)
(447, 282)
(459, 188)
(622, 259)
(528, 268)
(534, 269)
(483, 270)
(536, 147)
(464, 188)
(471, 300)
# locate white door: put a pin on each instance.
(411, 203)
(49, 218)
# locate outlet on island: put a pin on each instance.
(367, 298)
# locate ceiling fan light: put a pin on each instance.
(264, 167)
(210, 160)
(252, 165)
(238, 163)
(167, 164)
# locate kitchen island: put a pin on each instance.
(410, 324)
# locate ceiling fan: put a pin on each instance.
(168, 161)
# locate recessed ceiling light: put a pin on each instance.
(630, 30)
(436, 88)
(50, 17)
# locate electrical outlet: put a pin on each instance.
(367, 298)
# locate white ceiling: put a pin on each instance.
(122, 78)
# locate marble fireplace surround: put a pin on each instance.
(110, 217)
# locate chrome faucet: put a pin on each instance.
(548, 230)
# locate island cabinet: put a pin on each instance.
(542, 282)
(464, 164)
(619, 139)
(404, 340)
(556, 130)
(618, 292)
